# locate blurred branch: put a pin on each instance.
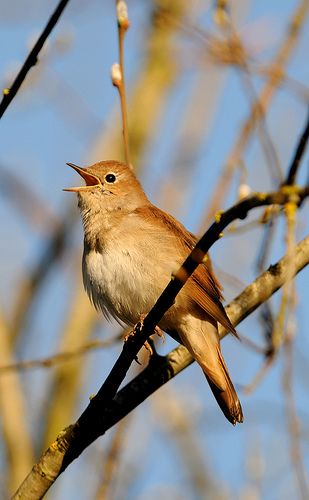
(23, 198)
(274, 80)
(16, 432)
(180, 429)
(106, 490)
(270, 152)
(76, 438)
(293, 421)
(261, 374)
(156, 77)
(276, 337)
(54, 249)
(32, 59)
(287, 291)
(61, 357)
(277, 327)
(66, 380)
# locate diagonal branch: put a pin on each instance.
(298, 156)
(161, 369)
(100, 413)
(10, 93)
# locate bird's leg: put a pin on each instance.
(150, 347)
(147, 344)
(157, 330)
(130, 337)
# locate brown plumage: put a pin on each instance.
(131, 248)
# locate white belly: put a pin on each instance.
(120, 284)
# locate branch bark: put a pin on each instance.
(107, 407)
(10, 93)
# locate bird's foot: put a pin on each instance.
(147, 344)
(129, 336)
(157, 330)
(148, 347)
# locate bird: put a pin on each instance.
(131, 250)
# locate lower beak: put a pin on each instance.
(90, 179)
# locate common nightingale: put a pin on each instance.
(131, 249)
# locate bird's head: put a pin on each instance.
(110, 186)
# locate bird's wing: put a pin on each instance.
(202, 287)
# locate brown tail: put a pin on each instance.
(228, 399)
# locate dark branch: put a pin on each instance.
(165, 301)
(161, 369)
(90, 425)
(158, 372)
(290, 180)
(32, 58)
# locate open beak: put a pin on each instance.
(90, 179)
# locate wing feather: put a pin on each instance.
(202, 287)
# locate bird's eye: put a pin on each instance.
(110, 178)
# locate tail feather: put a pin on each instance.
(205, 349)
(227, 399)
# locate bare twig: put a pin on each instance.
(123, 25)
(293, 422)
(260, 375)
(290, 180)
(16, 435)
(54, 249)
(111, 463)
(61, 357)
(266, 94)
(9, 93)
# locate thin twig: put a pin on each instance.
(260, 375)
(123, 25)
(30, 285)
(248, 126)
(61, 357)
(290, 180)
(293, 422)
(111, 462)
(15, 427)
(9, 93)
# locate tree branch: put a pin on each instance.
(290, 180)
(106, 408)
(10, 93)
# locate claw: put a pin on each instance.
(148, 347)
(128, 335)
(158, 330)
(160, 333)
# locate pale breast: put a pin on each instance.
(129, 264)
(121, 284)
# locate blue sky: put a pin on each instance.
(64, 111)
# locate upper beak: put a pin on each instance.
(90, 179)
